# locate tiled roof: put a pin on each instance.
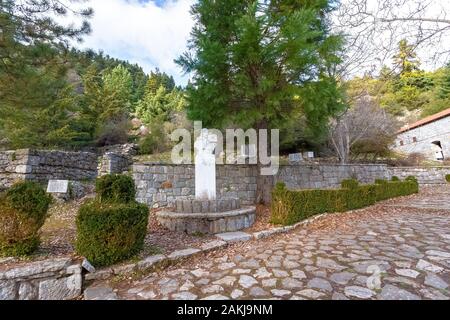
(426, 120)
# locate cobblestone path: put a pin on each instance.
(384, 252)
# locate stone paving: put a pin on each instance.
(403, 255)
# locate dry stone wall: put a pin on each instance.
(13, 164)
(55, 279)
(431, 175)
(159, 185)
(327, 176)
(43, 165)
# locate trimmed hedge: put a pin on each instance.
(349, 184)
(115, 188)
(110, 232)
(289, 207)
(393, 189)
(112, 227)
(447, 178)
(23, 211)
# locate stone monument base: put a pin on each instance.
(208, 223)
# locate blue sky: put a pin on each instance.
(150, 33)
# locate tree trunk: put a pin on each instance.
(264, 184)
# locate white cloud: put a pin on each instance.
(144, 33)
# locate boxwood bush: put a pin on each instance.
(393, 189)
(115, 188)
(112, 227)
(110, 232)
(349, 184)
(289, 207)
(23, 211)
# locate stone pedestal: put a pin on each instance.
(208, 216)
(208, 223)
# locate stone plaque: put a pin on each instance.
(58, 186)
(295, 157)
(308, 155)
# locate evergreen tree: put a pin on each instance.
(105, 105)
(254, 62)
(36, 100)
(117, 87)
(406, 58)
(444, 84)
(158, 79)
(160, 105)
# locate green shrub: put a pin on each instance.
(112, 227)
(156, 141)
(411, 178)
(380, 181)
(395, 178)
(23, 210)
(289, 207)
(115, 188)
(349, 184)
(110, 232)
(395, 189)
(280, 186)
(447, 178)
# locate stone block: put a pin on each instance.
(60, 289)
(187, 206)
(205, 206)
(150, 261)
(213, 206)
(124, 268)
(7, 290)
(36, 268)
(234, 236)
(180, 254)
(24, 169)
(99, 293)
(213, 245)
(27, 291)
(196, 206)
(99, 274)
(232, 224)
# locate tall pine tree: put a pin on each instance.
(35, 98)
(255, 62)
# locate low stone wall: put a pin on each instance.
(159, 185)
(56, 279)
(111, 163)
(326, 176)
(431, 175)
(116, 159)
(13, 165)
(43, 165)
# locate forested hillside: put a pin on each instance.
(406, 91)
(55, 96)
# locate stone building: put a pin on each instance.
(429, 136)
